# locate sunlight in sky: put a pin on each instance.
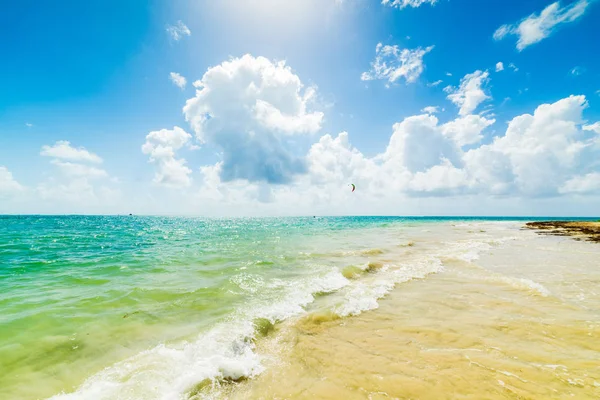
(270, 107)
(291, 19)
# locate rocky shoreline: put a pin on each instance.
(579, 230)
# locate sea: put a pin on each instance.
(173, 308)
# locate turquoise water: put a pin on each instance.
(166, 302)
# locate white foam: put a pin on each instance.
(170, 371)
(466, 250)
(524, 284)
(364, 297)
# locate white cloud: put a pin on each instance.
(499, 67)
(540, 156)
(63, 150)
(513, 67)
(392, 63)
(76, 185)
(407, 3)
(161, 147)
(336, 160)
(448, 74)
(178, 80)
(466, 130)
(442, 179)
(29, 125)
(178, 31)
(582, 184)
(595, 127)
(542, 149)
(251, 108)
(501, 32)
(537, 27)
(436, 83)
(77, 193)
(418, 144)
(8, 185)
(431, 109)
(471, 92)
(576, 71)
(75, 170)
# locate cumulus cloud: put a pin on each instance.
(417, 144)
(161, 146)
(76, 182)
(436, 83)
(537, 27)
(543, 149)
(178, 80)
(499, 66)
(79, 193)
(466, 130)
(75, 170)
(8, 185)
(582, 184)
(513, 67)
(407, 3)
(593, 127)
(29, 125)
(64, 151)
(470, 93)
(336, 160)
(178, 31)
(543, 154)
(256, 112)
(251, 108)
(442, 179)
(431, 109)
(392, 63)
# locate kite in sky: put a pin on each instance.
(353, 187)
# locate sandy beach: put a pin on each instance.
(520, 322)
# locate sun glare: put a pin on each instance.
(292, 17)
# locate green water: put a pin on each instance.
(177, 297)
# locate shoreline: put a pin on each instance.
(578, 230)
(514, 331)
(412, 310)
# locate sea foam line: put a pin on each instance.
(227, 351)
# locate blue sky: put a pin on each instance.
(97, 75)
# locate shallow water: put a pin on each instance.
(521, 321)
(180, 308)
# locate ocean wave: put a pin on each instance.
(224, 353)
(364, 297)
(523, 284)
(172, 371)
(227, 351)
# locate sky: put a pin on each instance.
(272, 108)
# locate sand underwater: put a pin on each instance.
(296, 308)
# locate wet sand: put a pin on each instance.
(521, 322)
